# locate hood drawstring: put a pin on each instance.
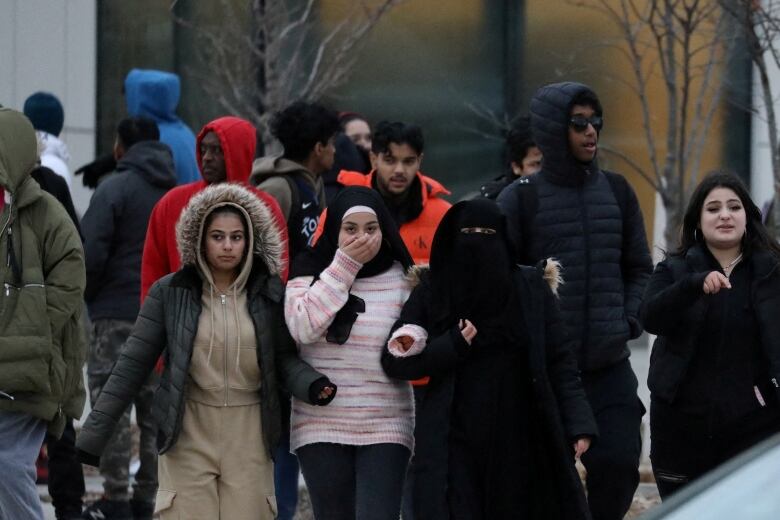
(211, 336)
(238, 329)
(11, 260)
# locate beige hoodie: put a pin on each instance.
(224, 370)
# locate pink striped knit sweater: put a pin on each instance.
(369, 407)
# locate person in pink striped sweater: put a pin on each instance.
(343, 297)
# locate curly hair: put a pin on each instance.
(302, 125)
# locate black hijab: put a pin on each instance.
(471, 266)
(314, 260)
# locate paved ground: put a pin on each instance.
(645, 498)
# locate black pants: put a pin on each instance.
(66, 478)
(354, 482)
(612, 461)
(685, 447)
(407, 504)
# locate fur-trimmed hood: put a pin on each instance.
(268, 245)
(550, 270)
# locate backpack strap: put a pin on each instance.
(295, 196)
(620, 188)
(526, 191)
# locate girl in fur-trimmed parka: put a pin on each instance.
(504, 414)
(218, 324)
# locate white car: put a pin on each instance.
(745, 488)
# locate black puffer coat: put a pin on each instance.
(675, 308)
(167, 325)
(560, 409)
(591, 222)
(114, 229)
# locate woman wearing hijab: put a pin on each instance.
(218, 324)
(715, 365)
(343, 297)
(504, 414)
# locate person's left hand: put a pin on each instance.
(581, 446)
(402, 343)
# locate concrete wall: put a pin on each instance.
(50, 45)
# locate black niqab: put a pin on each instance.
(471, 267)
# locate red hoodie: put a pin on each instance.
(238, 139)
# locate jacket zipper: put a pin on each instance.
(9, 286)
(586, 305)
(225, 351)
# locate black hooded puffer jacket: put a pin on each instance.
(577, 218)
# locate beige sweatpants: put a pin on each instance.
(218, 469)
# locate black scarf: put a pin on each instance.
(314, 260)
(405, 207)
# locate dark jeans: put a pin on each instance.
(612, 461)
(66, 478)
(354, 482)
(285, 479)
(686, 447)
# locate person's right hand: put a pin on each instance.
(715, 281)
(468, 330)
(364, 248)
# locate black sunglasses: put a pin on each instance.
(580, 123)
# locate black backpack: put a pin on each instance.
(527, 191)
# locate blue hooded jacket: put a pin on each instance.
(155, 94)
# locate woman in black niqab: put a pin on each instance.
(471, 267)
(491, 444)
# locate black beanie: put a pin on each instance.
(45, 112)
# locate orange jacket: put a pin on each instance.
(417, 234)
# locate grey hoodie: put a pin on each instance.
(114, 229)
(268, 173)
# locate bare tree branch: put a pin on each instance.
(262, 54)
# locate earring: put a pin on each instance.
(695, 234)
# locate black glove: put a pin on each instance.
(318, 386)
(96, 169)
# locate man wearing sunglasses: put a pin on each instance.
(589, 219)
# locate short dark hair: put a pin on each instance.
(519, 139)
(346, 118)
(396, 133)
(756, 235)
(302, 125)
(132, 130)
(588, 98)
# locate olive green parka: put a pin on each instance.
(42, 344)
